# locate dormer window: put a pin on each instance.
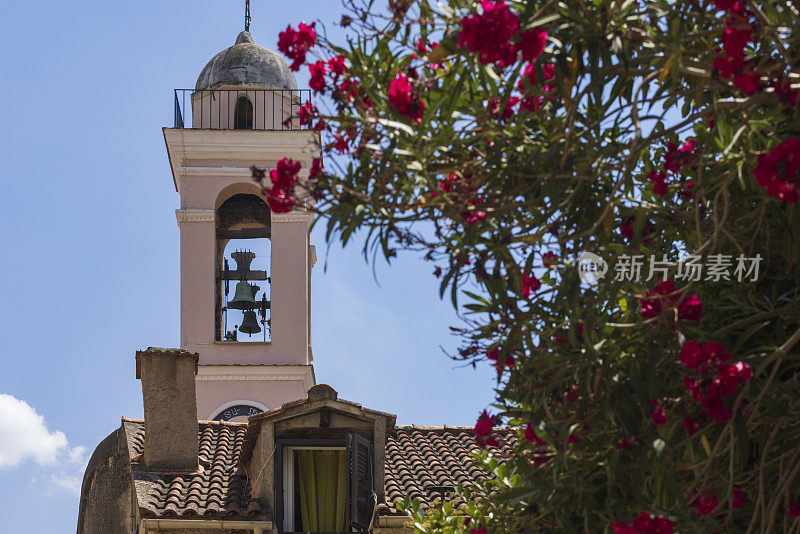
(324, 485)
(243, 114)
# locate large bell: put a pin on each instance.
(243, 298)
(250, 323)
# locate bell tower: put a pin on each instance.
(245, 297)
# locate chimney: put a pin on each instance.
(170, 408)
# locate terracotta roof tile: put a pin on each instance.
(218, 489)
(421, 459)
(418, 460)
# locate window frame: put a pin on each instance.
(284, 453)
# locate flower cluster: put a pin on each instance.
(283, 177)
(664, 297)
(646, 524)
(710, 391)
(491, 35)
(530, 285)
(295, 44)
(675, 160)
(738, 32)
(777, 171)
(483, 431)
(402, 97)
(534, 102)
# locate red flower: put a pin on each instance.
(508, 109)
(622, 528)
(625, 444)
(690, 425)
(307, 113)
(728, 66)
(794, 509)
(342, 144)
(283, 178)
(402, 98)
(690, 309)
(549, 258)
(694, 388)
(489, 34)
(737, 34)
(483, 431)
(571, 394)
(659, 179)
(533, 437)
(748, 82)
(657, 414)
(477, 531)
(704, 504)
(317, 81)
(662, 297)
(316, 169)
(530, 284)
(337, 67)
(777, 170)
(691, 354)
(296, 43)
(507, 363)
(731, 6)
(532, 43)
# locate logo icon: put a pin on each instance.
(591, 268)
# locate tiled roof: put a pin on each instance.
(218, 489)
(420, 459)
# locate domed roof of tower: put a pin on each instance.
(246, 64)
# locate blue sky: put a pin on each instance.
(90, 272)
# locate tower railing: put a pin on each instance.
(240, 109)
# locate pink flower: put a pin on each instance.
(694, 388)
(532, 43)
(622, 528)
(296, 43)
(317, 81)
(731, 6)
(625, 444)
(690, 309)
(549, 258)
(489, 34)
(283, 178)
(402, 98)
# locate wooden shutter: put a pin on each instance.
(359, 451)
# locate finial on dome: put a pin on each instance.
(244, 37)
(246, 16)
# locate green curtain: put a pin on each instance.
(323, 487)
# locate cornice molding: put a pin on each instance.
(256, 373)
(194, 215)
(292, 217)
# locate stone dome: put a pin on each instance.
(246, 64)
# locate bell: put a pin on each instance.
(249, 323)
(243, 298)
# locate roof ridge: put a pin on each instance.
(199, 421)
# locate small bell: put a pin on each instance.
(249, 323)
(243, 298)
